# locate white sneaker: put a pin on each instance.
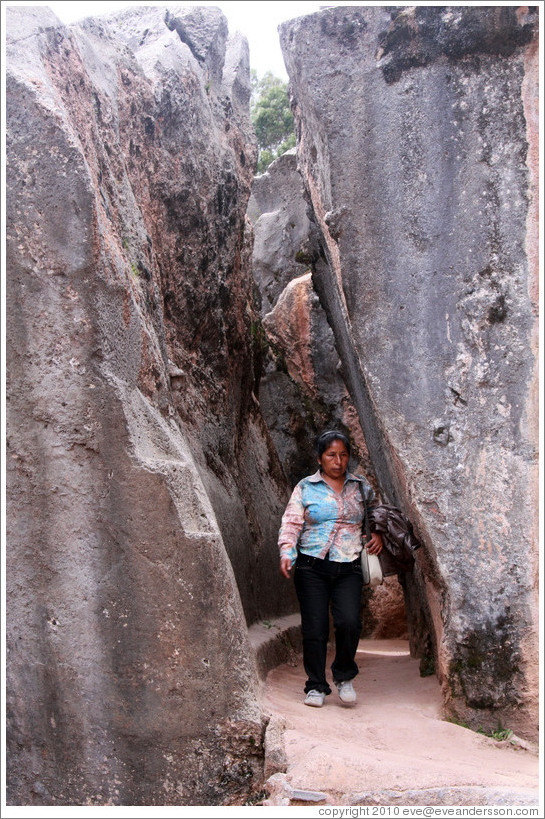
(315, 698)
(346, 692)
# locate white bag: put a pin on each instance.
(371, 569)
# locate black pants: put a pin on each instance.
(319, 583)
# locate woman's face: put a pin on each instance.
(334, 460)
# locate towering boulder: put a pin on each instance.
(144, 493)
(301, 391)
(417, 143)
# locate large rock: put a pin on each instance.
(282, 243)
(301, 389)
(417, 143)
(144, 493)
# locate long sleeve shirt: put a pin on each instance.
(318, 520)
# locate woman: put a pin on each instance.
(321, 533)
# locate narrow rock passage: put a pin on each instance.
(392, 747)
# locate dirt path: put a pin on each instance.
(392, 747)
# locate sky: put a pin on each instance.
(257, 20)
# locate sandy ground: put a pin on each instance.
(391, 747)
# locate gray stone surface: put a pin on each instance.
(143, 490)
(417, 146)
(275, 751)
(144, 486)
(441, 797)
(282, 229)
(301, 389)
(275, 642)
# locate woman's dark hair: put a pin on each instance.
(326, 438)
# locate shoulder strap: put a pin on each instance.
(366, 516)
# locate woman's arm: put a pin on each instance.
(285, 566)
(291, 527)
(375, 543)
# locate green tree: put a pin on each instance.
(271, 118)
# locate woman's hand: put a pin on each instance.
(375, 544)
(285, 566)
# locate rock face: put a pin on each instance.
(157, 414)
(417, 143)
(282, 243)
(301, 390)
(144, 493)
